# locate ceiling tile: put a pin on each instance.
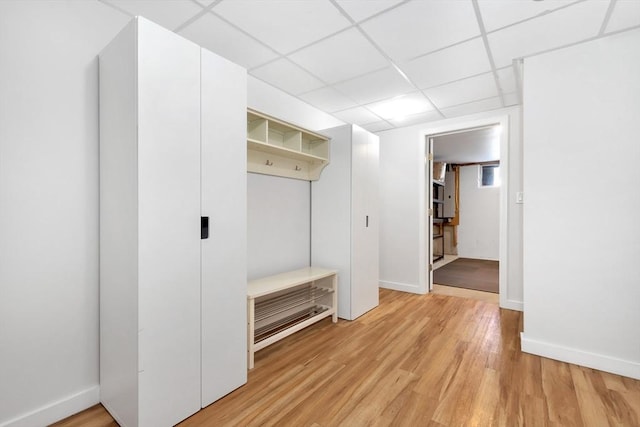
(473, 107)
(499, 13)
(507, 79)
(378, 126)
(341, 57)
(463, 91)
(417, 118)
(419, 27)
(511, 99)
(375, 86)
(287, 76)
(454, 63)
(626, 13)
(214, 34)
(328, 99)
(168, 13)
(553, 30)
(285, 25)
(401, 106)
(358, 116)
(360, 10)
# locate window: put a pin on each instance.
(489, 176)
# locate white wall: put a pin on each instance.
(401, 185)
(270, 100)
(49, 201)
(279, 226)
(581, 282)
(479, 229)
(400, 162)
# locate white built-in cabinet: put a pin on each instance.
(345, 218)
(173, 332)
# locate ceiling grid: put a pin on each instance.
(384, 64)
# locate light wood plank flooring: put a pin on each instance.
(466, 293)
(432, 360)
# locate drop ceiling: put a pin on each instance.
(470, 146)
(384, 64)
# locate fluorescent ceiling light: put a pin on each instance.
(401, 106)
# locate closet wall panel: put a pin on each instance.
(278, 224)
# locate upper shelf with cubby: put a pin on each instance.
(275, 147)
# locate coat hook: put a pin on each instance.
(269, 163)
(298, 168)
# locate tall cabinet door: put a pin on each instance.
(364, 243)
(169, 225)
(331, 216)
(373, 212)
(224, 202)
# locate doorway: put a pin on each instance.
(465, 220)
(490, 124)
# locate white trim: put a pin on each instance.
(510, 304)
(503, 250)
(600, 362)
(57, 411)
(424, 251)
(404, 287)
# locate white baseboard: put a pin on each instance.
(56, 411)
(512, 305)
(404, 287)
(600, 362)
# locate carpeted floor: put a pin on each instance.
(478, 274)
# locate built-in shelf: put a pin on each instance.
(437, 221)
(275, 147)
(279, 305)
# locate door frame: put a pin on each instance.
(425, 195)
(430, 212)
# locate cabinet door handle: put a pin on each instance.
(204, 227)
(367, 221)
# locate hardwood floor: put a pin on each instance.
(466, 293)
(432, 360)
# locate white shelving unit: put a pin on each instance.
(279, 305)
(438, 221)
(275, 147)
